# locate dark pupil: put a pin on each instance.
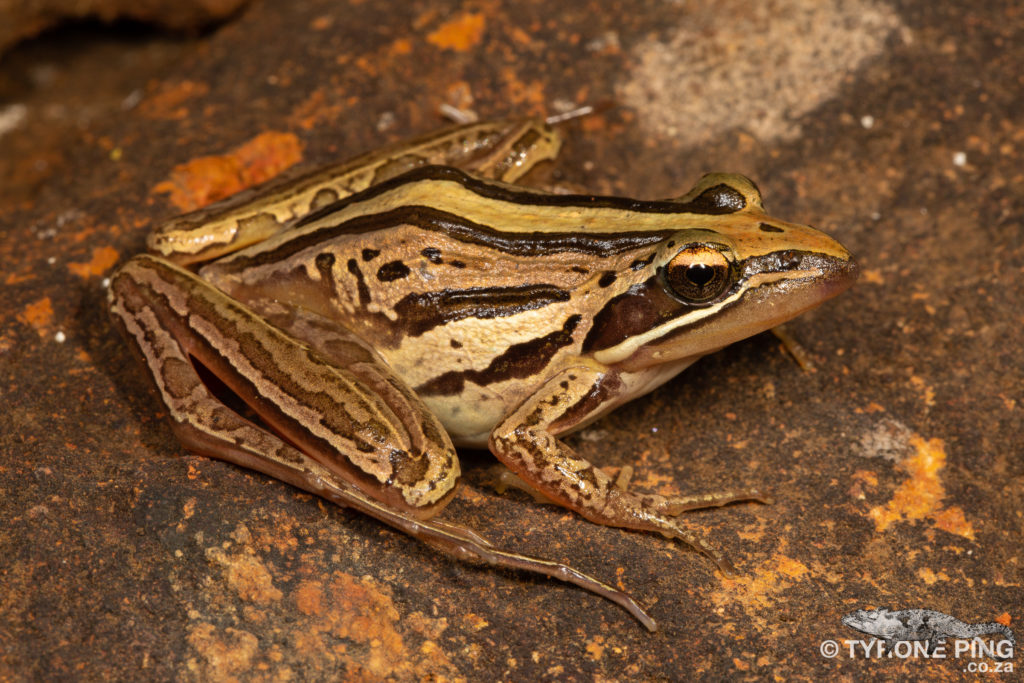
(698, 282)
(700, 274)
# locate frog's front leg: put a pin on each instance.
(526, 442)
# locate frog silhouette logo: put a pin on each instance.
(908, 625)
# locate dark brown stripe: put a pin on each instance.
(458, 228)
(717, 200)
(419, 313)
(765, 227)
(518, 361)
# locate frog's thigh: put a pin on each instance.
(355, 423)
(525, 443)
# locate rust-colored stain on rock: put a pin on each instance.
(39, 315)
(103, 259)
(206, 179)
(920, 495)
(459, 33)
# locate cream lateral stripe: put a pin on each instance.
(623, 350)
(502, 216)
(333, 384)
(507, 216)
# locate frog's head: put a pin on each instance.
(865, 619)
(729, 272)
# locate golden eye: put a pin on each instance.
(698, 273)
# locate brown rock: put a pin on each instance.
(26, 18)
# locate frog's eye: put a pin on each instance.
(698, 273)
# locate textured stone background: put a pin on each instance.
(897, 465)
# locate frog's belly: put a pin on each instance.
(470, 416)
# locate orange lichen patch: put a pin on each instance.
(400, 47)
(207, 179)
(920, 496)
(314, 111)
(166, 103)
(521, 93)
(38, 315)
(1004, 619)
(358, 611)
(103, 259)
(475, 621)
(952, 520)
(459, 33)
(760, 590)
(930, 577)
(224, 654)
(595, 648)
(246, 574)
(866, 476)
(872, 276)
(309, 598)
(18, 278)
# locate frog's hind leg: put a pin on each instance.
(385, 443)
(170, 319)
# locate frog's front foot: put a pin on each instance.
(673, 506)
(651, 512)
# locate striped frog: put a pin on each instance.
(374, 314)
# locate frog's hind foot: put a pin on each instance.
(674, 506)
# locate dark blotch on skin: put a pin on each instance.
(765, 227)
(518, 361)
(391, 271)
(719, 199)
(364, 291)
(456, 344)
(419, 313)
(432, 254)
(370, 254)
(324, 261)
(637, 310)
(607, 279)
(457, 264)
(639, 264)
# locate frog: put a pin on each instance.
(369, 318)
